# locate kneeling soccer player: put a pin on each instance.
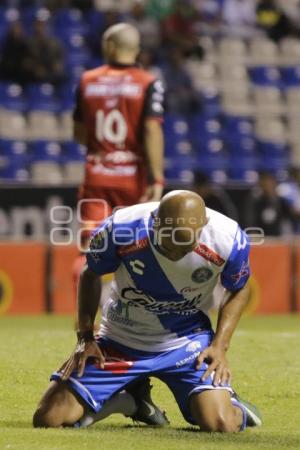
(167, 258)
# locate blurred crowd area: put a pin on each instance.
(232, 74)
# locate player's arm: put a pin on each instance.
(235, 279)
(154, 141)
(229, 316)
(89, 291)
(101, 259)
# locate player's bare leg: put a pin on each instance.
(214, 411)
(58, 407)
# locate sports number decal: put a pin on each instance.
(111, 126)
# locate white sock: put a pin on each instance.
(122, 403)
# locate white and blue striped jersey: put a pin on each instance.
(156, 303)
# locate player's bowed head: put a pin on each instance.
(121, 43)
(180, 219)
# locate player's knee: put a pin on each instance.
(51, 409)
(45, 418)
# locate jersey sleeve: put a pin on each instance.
(77, 113)
(237, 271)
(155, 100)
(102, 256)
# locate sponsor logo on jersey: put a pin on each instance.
(138, 299)
(107, 90)
(210, 255)
(188, 359)
(244, 272)
(193, 346)
(137, 266)
(132, 248)
(202, 275)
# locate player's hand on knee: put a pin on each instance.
(217, 363)
(83, 351)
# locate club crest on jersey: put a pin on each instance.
(202, 275)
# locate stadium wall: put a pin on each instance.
(36, 278)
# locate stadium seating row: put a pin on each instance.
(237, 159)
(249, 118)
(42, 161)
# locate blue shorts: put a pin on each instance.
(176, 368)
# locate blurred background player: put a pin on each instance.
(118, 118)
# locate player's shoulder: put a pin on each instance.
(221, 224)
(93, 74)
(220, 233)
(142, 75)
(132, 214)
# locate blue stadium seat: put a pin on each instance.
(266, 76)
(176, 125)
(237, 127)
(77, 50)
(42, 97)
(78, 55)
(177, 147)
(244, 146)
(31, 13)
(13, 149)
(66, 96)
(210, 102)
(7, 16)
(176, 132)
(14, 172)
(12, 97)
(272, 149)
(14, 160)
(70, 20)
(273, 156)
(208, 162)
(274, 163)
(94, 61)
(96, 26)
(72, 151)
(243, 169)
(291, 76)
(74, 72)
(210, 148)
(179, 169)
(203, 128)
(46, 151)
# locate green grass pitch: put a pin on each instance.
(264, 356)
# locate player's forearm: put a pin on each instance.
(154, 147)
(89, 292)
(229, 316)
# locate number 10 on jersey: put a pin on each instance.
(111, 126)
